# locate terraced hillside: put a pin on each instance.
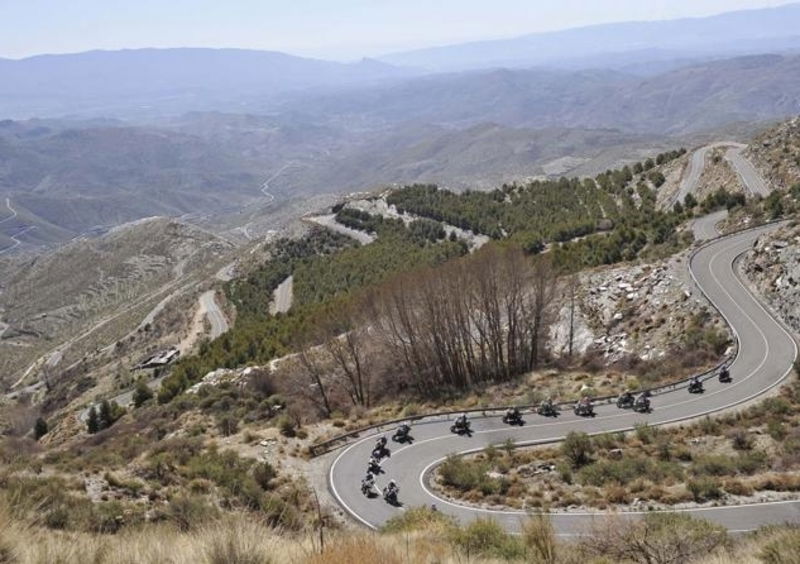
(54, 299)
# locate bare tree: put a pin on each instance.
(347, 345)
(544, 289)
(313, 385)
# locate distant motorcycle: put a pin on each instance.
(696, 386)
(461, 427)
(725, 375)
(403, 434)
(584, 409)
(547, 409)
(373, 466)
(368, 487)
(642, 404)
(390, 493)
(513, 417)
(625, 401)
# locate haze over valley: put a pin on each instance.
(525, 298)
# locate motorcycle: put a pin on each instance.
(374, 467)
(625, 401)
(725, 376)
(584, 409)
(460, 428)
(368, 488)
(547, 410)
(696, 387)
(642, 404)
(402, 434)
(390, 495)
(513, 418)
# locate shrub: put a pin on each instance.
(40, 428)
(626, 470)
(241, 543)
(714, 465)
(577, 448)
(466, 475)
(540, 539)
(141, 394)
(776, 429)
(189, 511)
(741, 439)
(709, 426)
(263, 474)
(785, 549)
(287, 426)
(227, 425)
(418, 519)
(704, 489)
(645, 433)
(485, 537)
(676, 538)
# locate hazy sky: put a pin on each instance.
(340, 29)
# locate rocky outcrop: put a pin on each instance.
(776, 153)
(773, 269)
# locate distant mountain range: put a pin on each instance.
(685, 100)
(137, 82)
(624, 44)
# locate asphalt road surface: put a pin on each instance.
(752, 180)
(216, 318)
(765, 357)
(705, 227)
(282, 297)
(697, 163)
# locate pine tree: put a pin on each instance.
(141, 394)
(106, 417)
(93, 421)
(40, 428)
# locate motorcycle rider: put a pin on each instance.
(626, 398)
(374, 466)
(391, 491)
(403, 430)
(368, 483)
(724, 374)
(513, 414)
(643, 401)
(695, 384)
(585, 405)
(547, 405)
(461, 421)
(381, 443)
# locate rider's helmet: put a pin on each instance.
(392, 484)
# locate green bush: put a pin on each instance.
(704, 489)
(577, 448)
(645, 433)
(418, 519)
(188, 512)
(467, 475)
(486, 538)
(286, 426)
(713, 465)
(627, 469)
(264, 473)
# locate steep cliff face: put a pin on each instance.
(776, 153)
(773, 268)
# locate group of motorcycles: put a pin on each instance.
(381, 451)
(513, 416)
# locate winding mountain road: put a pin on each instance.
(751, 179)
(765, 357)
